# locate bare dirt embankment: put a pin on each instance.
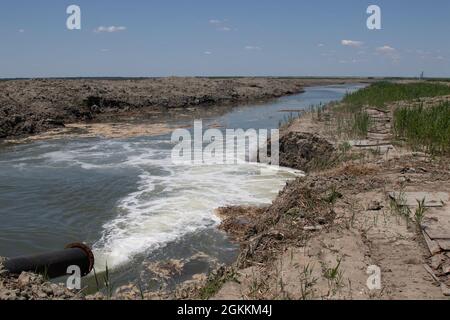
(32, 106)
(326, 232)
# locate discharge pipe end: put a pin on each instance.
(54, 264)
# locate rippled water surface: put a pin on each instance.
(128, 200)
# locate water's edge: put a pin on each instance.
(149, 210)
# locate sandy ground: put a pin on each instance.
(332, 257)
(116, 130)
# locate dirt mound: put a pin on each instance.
(305, 205)
(238, 221)
(305, 151)
(32, 106)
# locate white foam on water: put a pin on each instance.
(170, 201)
(181, 201)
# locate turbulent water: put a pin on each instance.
(127, 199)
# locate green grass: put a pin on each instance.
(288, 120)
(419, 214)
(425, 128)
(361, 123)
(334, 277)
(307, 282)
(215, 283)
(378, 94)
(333, 195)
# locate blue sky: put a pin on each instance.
(214, 38)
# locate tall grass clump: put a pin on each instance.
(380, 93)
(425, 128)
(361, 123)
(288, 120)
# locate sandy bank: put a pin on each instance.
(326, 231)
(323, 233)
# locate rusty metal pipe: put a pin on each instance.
(54, 264)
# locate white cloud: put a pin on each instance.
(110, 29)
(208, 52)
(104, 50)
(386, 50)
(423, 52)
(215, 21)
(327, 54)
(429, 55)
(353, 60)
(389, 52)
(352, 43)
(252, 48)
(221, 25)
(21, 30)
(321, 45)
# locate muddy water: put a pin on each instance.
(128, 200)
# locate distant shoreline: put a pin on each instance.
(225, 77)
(29, 107)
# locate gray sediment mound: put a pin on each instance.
(305, 151)
(36, 105)
(29, 286)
